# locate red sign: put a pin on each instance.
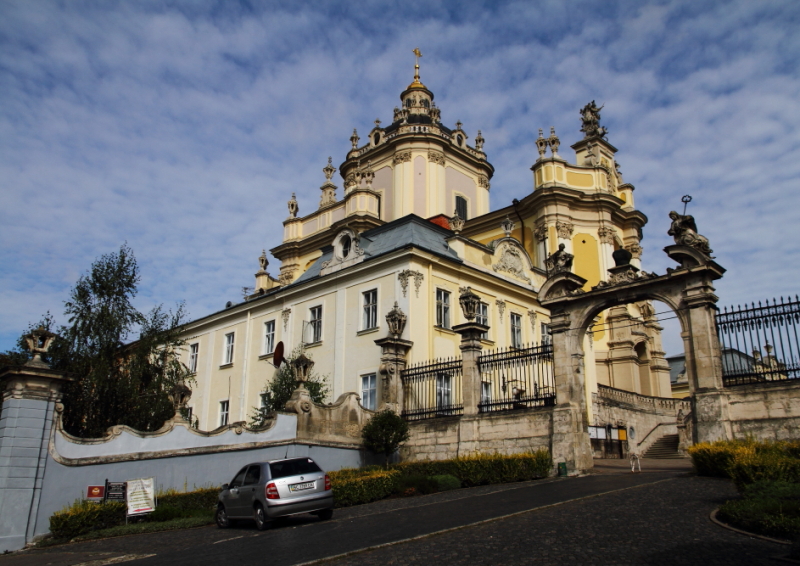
(95, 492)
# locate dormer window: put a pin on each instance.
(376, 138)
(460, 139)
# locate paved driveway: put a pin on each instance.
(611, 517)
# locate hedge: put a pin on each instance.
(86, 516)
(483, 469)
(748, 461)
(353, 488)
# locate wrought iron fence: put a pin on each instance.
(432, 389)
(517, 378)
(760, 343)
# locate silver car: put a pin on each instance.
(265, 491)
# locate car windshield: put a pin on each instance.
(293, 468)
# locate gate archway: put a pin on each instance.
(688, 290)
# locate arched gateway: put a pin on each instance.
(687, 289)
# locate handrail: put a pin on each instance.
(651, 432)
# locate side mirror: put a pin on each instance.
(224, 487)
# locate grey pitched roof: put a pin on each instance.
(409, 231)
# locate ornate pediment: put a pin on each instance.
(512, 259)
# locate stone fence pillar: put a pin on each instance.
(30, 394)
(394, 352)
(470, 347)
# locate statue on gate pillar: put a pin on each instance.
(684, 230)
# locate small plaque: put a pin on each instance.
(96, 492)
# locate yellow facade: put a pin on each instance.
(415, 169)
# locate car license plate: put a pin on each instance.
(301, 486)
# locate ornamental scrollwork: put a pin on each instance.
(401, 157)
(565, 229)
(404, 276)
(436, 157)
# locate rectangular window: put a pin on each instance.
(223, 412)
(461, 207)
(486, 392)
(442, 308)
(263, 398)
(370, 309)
(444, 391)
(228, 349)
(194, 351)
(547, 336)
(316, 324)
(269, 337)
(482, 317)
(516, 330)
(368, 391)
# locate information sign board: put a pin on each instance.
(141, 496)
(115, 490)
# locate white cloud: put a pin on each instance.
(183, 130)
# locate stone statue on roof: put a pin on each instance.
(684, 230)
(590, 117)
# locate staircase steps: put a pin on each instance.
(665, 447)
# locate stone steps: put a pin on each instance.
(665, 447)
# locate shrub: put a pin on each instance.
(85, 516)
(750, 468)
(203, 498)
(447, 482)
(384, 433)
(714, 458)
(770, 508)
(353, 488)
(417, 484)
(483, 469)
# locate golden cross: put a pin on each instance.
(418, 54)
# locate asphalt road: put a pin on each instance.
(659, 517)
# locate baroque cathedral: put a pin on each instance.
(410, 230)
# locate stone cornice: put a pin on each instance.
(531, 206)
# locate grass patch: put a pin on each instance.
(769, 508)
(149, 527)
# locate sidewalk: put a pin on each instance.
(649, 465)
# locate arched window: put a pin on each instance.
(459, 139)
(376, 138)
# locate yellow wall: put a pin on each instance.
(587, 259)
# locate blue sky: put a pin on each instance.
(183, 127)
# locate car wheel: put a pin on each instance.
(260, 517)
(325, 515)
(221, 517)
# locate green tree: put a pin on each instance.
(384, 433)
(114, 382)
(279, 390)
